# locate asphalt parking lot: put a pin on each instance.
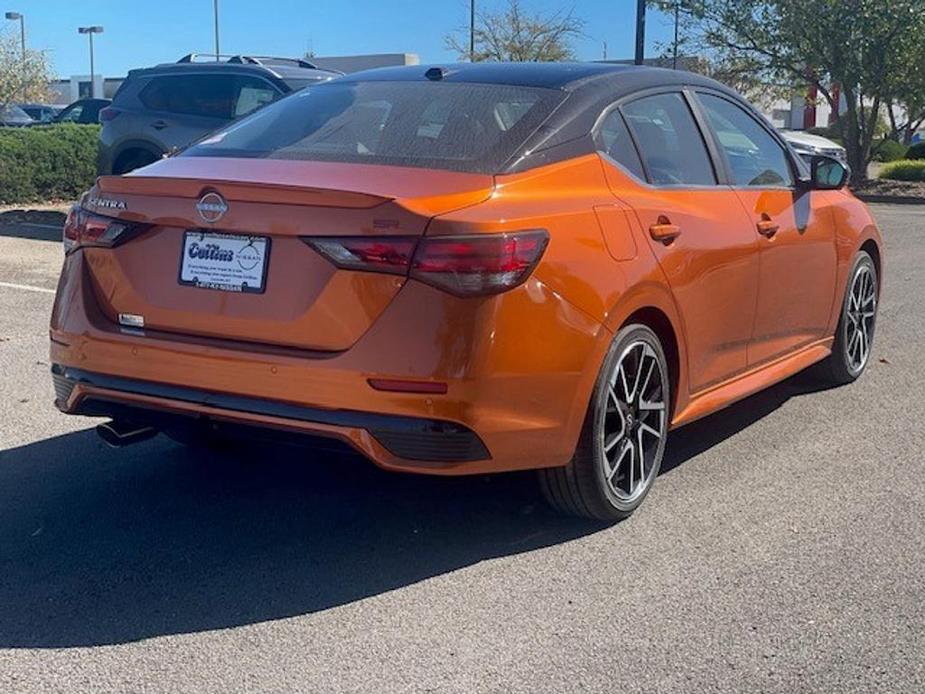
(782, 549)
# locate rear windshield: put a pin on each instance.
(462, 127)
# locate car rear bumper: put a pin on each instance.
(423, 441)
(518, 370)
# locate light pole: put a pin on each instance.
(677, 19)
(471, 31)
(215, 15)
(90, 31)
(13, 16)
(640, 32)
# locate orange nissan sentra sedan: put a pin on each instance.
(468, 269)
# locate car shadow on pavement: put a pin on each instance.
(102, 546)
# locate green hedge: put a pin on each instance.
(889, 150)
(904, 170)
(916, 151)
(47, 162)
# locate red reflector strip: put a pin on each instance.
(399, 386)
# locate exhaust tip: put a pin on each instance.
(119, 434)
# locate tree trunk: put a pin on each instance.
(851, 137)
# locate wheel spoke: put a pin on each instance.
(627, 448)
(863, 343)
(852, 338)
(645, 383)
(626, 388)
(641, 454)
(649, 430)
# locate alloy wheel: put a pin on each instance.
(860, 315)
(634, 422)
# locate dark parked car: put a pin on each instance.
(84, 111)
(41, 113)
(14, 117)
(167, 107)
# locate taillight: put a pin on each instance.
(109, 113)
(81, 228)
(473, 265)
(477, 265)
(370, 254)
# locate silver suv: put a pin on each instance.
(163, 108)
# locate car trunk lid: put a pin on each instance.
(305, 301)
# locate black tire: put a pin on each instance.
(583, 488)
(842, 367)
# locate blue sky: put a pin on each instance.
(145, 32)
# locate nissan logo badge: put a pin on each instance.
(211, 207)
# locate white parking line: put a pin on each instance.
(27, 287)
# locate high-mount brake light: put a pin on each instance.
(85, 229)
(471, 265)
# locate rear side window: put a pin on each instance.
(73, 116)
(755, 158)
(671, 145)
(457, 126)
(613, 139)
(251, 94)
(208, 96)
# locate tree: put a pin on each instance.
(22, 80)
(905, 92)
(868, 47)
(519, 36)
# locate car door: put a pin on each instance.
(794, 229)
(184, 107)
(695, 227)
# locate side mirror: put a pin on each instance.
(827, 173)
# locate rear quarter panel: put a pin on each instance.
(597, 260)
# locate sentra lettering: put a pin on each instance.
(210, 251)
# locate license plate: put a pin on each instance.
(229, 262)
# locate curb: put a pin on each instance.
(891, 199)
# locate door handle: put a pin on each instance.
(664, 231)
(767, 227)
(159, 124)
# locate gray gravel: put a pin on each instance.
(782, 549)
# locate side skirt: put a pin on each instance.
(749, 383)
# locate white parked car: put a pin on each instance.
(807, 145)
